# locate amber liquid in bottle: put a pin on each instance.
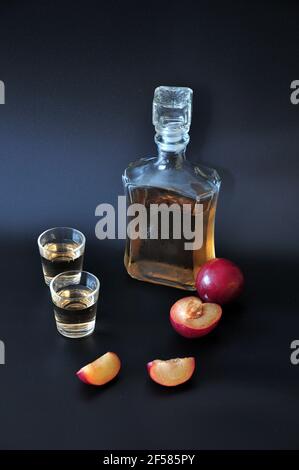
(167, 261)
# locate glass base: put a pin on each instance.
(73, 276)
(75, 330)
(48, 280)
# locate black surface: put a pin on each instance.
(79, 84)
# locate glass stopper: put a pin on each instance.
(172, 108)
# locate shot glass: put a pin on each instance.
(61, 249)
(75, 297)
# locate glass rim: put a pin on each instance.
(74, 272)
(55, 228)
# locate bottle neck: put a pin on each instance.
(171, 148)
(171, 156)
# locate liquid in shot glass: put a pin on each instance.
(61, 249)
(75, 298)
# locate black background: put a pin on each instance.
(79, 82)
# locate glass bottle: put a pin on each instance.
(170, 179)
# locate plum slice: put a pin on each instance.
(171, 372)
(101, 371)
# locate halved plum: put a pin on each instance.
(192, 318)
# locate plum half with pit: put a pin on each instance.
(192, 318)
(219, 281)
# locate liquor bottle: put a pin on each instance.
(171, 180)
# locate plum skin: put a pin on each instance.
(219, 281)
(189, 332)
(80, 374)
